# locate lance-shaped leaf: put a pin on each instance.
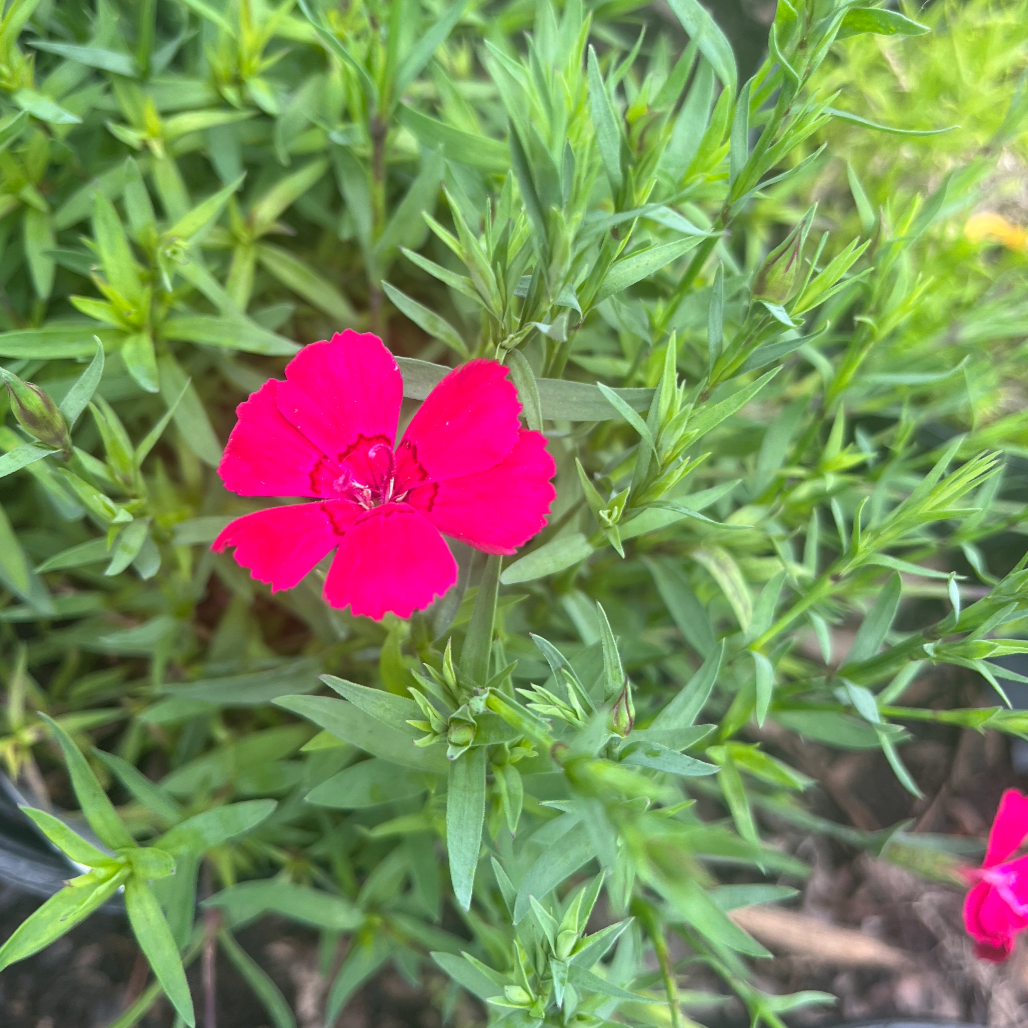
(465, 817)
(98, 809)
(61, 913)
(155, 940)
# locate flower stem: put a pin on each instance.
(648, 919)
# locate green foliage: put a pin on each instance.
(781, 384)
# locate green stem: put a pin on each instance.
(822, 587)
(648, 919)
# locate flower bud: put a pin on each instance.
(566, 942)
(37, 413)
(516, 994)
(460, 734)
(622, 717)
(778, 276)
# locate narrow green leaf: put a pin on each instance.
(260, 983)
(876, 625)
(151, 795)
(127, 546)
(465, 817)
(725, 571)
(78, 396)
(90, 552)
(613, 672)
(765, 684)
(155, 940)
(21, 457)
(299, 276)
(659, 757)
(203, 213)
(605, 121)
(879, 21)
(855, 119)
(529, 194)
(556, 555)
(687, 706)
(707, 417)
(229, 333)
(421, 53)
(368, 784)
(437, 327)
(70, 843)
(208, 13)
(715, 318)
(43, 108)
(211, 828)
(98, 809)
(703, 31)
(467, 976)
(691, 123)
(188, 411)
(391, 710)
(92, 56)
(644, 263)
(477, 151)
(863, 204)
(528, 391)
(58, 915)
(334, 45)
(137, 352)
(407, 226)
(559, 400)
(115, 253)
(39, 241)
(739, 150)
(353, 725)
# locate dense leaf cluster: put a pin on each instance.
(780, 383)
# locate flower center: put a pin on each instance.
(369, 477)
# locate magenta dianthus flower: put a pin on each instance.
(464, 468)
(996, 908)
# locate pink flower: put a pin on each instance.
(996, 908)
(464, 467)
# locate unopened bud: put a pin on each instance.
(778, 276)
(516, 994)
(566, 942)
(37, 413)
(461, 734)
(622, 717)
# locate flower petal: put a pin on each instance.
(391, 560)
(281, 545)
(1009, 828)
(973, 911)
(499, 509)
(267, 456)
(339, 391)
(468, 423)
(995, 951)
(996, 918)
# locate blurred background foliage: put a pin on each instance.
(796, 493)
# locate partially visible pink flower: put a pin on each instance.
(464, 467)
(996, 908)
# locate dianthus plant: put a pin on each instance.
(469, 469)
